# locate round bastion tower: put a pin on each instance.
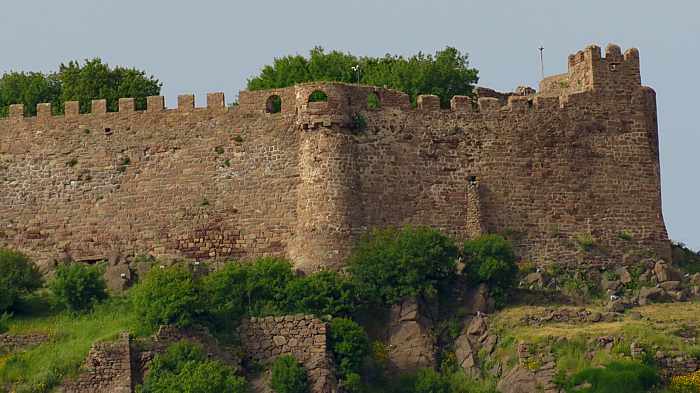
(328, 209)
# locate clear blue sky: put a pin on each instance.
(208, 45)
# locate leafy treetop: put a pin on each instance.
(445, 74)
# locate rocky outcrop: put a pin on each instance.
(410, 341)
(534, 373)
(474, 339)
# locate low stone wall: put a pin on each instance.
(10, 343)
(304, 337)
(108, 369)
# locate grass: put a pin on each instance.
(41, 368)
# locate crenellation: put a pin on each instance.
(216, 101)
(155, 104)
(428, 102)
(461, 104)
(185, 102)
(71, 109)
(127, 105)
(16, 111)
(99, 107)
(43, 111)
(300, 180)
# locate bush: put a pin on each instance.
(430, 381)
(18, 277)
(322, 293)
(185, 368)
(490, 259)
(618, 376)
(390, 264)
(352, 383)
(349, 344)
(78, 286)
(168, 296)
(4, 322)
(288, 376)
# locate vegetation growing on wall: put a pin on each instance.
(445, 74)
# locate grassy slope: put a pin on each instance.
(43, 367)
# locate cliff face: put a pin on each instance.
(304, 180)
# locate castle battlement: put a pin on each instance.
(287, 172)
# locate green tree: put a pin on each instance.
(288, 376)
(18, 277)
(184, 367)
(490, 259)
(168, 296)
(390, 264)
(323, 293)
(30, 89)
(349, 344)
(97, 80)
(78, 286)
(445, 74)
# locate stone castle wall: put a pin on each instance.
(580, 157)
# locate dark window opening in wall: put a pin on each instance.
(471, 179)
(108, 131)
(274, 104)
(318, 96)
(613, 67)
(373, 101)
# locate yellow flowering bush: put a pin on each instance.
(689, 383)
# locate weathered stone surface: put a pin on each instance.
(410, 341)
(648, 295)
(304, 337)
(518, 380)
(118, 277)
(664, 272)
(670, 285)
(235, 183)
(10, 343)
(624, 275)
(108, 369)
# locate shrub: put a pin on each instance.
(618, 376)
(288, 376)
(18, 277)
(585, 241)
(185, 368)
(78, 286)
(352, 383)
(390, 264)
(490, 259)
(689, 383)
(322, 293)
(4, 322)
(349, 344)
(168, 296)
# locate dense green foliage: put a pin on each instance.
(391, 264)
(617, 376)
(78, 286)
(685, 258)
(445, 74)
(323, 293)
(288, 376)
(490, 259)
(168, 296)
(74, 81)
(185, 368)
(30, 89)
(349, 344)
(18, 277)
(431, 381)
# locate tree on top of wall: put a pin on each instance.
(445, 74)
(76, 82)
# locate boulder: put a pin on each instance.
(624, 274)
(610, 285)
(664, 272)
(670, 285)
(118, 278)
(518, 380)
(478, 300)
(648, 295)
(616, 306)
(466, 352)
(410, 341)
(595, 317)
(695, 279)
(536, 279)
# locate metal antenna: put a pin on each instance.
(541, 48)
